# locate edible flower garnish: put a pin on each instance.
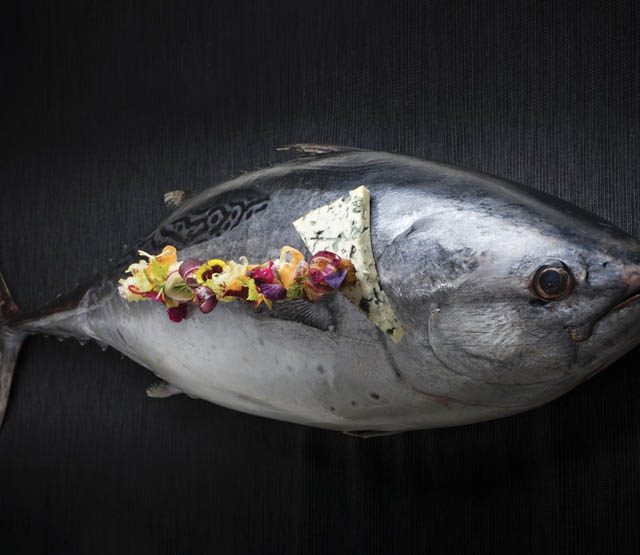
(206, 283)
(210, 268)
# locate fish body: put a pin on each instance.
(461, 257)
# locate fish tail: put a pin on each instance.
(10, 342)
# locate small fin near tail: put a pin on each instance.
(10, 342)
(162, 390)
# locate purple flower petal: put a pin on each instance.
(205, 299)
(188, 266)
(273, 291)
(208, 305)
(188, 269)
(321, 265)
(335, 279)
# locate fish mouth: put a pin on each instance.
(629, 301)
(632, 279)
(581, 333)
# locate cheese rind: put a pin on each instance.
(344, 227)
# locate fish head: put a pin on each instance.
(508, 286)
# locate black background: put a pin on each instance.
(106, 105)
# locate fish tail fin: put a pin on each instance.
(10, 342)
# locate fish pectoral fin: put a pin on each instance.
(162, 390)
(173, 199)
(313, 149)
(366, 434)
(315, 314)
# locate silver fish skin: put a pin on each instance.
(456, 253)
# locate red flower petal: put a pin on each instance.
(263, 275)
(177, 313)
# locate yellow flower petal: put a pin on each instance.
(156, 273)
(168, 255)
(200, 273)
(262, 299)
(214, 263)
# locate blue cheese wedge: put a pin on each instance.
(344, 227)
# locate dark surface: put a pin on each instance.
(105, 108)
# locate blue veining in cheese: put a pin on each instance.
(343, 227)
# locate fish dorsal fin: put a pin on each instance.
(314, 314)
(173, 199)
(310, 149)
(344, 227)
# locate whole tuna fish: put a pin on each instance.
(509, 298)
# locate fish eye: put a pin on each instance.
(553, 282)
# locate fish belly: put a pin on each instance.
(341, 379)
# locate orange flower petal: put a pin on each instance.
(168, 255)
(290, 258)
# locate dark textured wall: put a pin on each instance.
(106, 105)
